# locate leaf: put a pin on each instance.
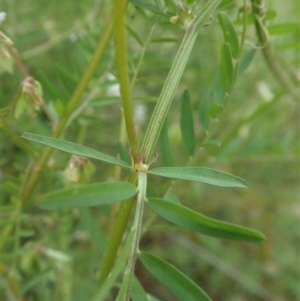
(230, 35)
(176, 281)
(165, 152)
(194, 221)
(187, 123)
(76, 149)
(88, 195)
(246, 60)
(135, 36)
(226, 68)
(200, 174)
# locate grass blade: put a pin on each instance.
(230, 35)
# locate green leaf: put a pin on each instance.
(194, 221)
(246, 60)
(176, 281)
(135, 35)
(226, 68)
(230, 35)
(200, 174)
(165, 152)
(88, 195)
(187, 123)
(76, 149)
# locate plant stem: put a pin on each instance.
(152, 135)
(32, 177)
(125, 291)
(115, 238)
(122, 66)
(170, 87)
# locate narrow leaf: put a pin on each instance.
(88, 195)
(230, 35)
(187, 123)
(200, 174)
(194, 221)
(76, 149)
(226, 68)
(246, 60)
(165, 152)
(176, 281)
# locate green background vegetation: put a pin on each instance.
(258, 131)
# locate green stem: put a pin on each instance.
(152, 135)
(115, 238)
(32, 178)
(122, 66)
(125, 291)
(279, 73)
(170, 87)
